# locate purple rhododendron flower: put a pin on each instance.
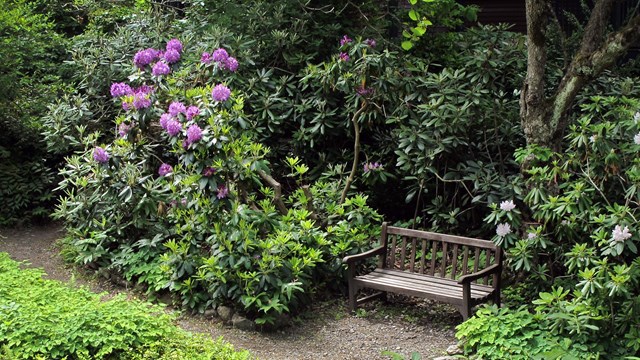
(176, 108)
(145, 57)
(126, 106)
(141, 101)
(174, 127)
(344, 56)
(164, 119)
(208, 171)
(123, 129)
(223, 191)
(171, 56)
(174, 44)
(143, 90)
(205, 58)
(372, 166)
(194, 134)
(231, 64)
(120, 89)
(100, 155)
(165, 169)
(364, 91)
(160, 68)
(370, 43)
(220, 55)
(345, 40)
(220, 93)
(192, 111)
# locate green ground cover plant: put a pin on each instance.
(44, 319)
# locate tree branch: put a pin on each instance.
(356, 150)
(277, 188)
(310, 208)
(589, 63)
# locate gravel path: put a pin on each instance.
(326, 331)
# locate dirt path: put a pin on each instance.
(327, 331)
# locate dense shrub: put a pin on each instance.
(30, 77)
(45, 319)
(579, 229)
(179, 200)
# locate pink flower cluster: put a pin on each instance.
(221, 57)
(138, 98)
(171, 122)
(372, 166)
(162, 59)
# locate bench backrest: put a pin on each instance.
(435, 254)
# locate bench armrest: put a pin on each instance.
(367, 254)
(482, 273)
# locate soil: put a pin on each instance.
(325, 331)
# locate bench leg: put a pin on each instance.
(465, 309)
(496, 297)
(352, 298)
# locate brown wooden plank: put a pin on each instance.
(392, 250)
(403, 254)
(382, 263)
(415, 292)
(485, 244)
(423, 256)
(476, 259)
(434, 254)
(465, 261)
(454, 261)
(419, 277)
(443, 268)
(426, 284)
(486, 265)
(393, 286)
(412, 263)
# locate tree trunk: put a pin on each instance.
(544, 120)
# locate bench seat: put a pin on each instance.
(420, 285)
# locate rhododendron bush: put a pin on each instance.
(182, 199)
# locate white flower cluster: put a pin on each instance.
(636, 139)
(507, 205)
(619, 234)
(503, 229)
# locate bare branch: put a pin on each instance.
(277, 188)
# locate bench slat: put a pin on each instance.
(423, 256)
(454, 261)
(487, 262)
(443, 267)
(412, 263)
(465, 260)
(434, 255)
(393, 252)
(419, 277)
(403, 253)
(424, 285)
(475, 260)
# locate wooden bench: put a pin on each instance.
(447, 268)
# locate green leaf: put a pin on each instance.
(407, 45)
